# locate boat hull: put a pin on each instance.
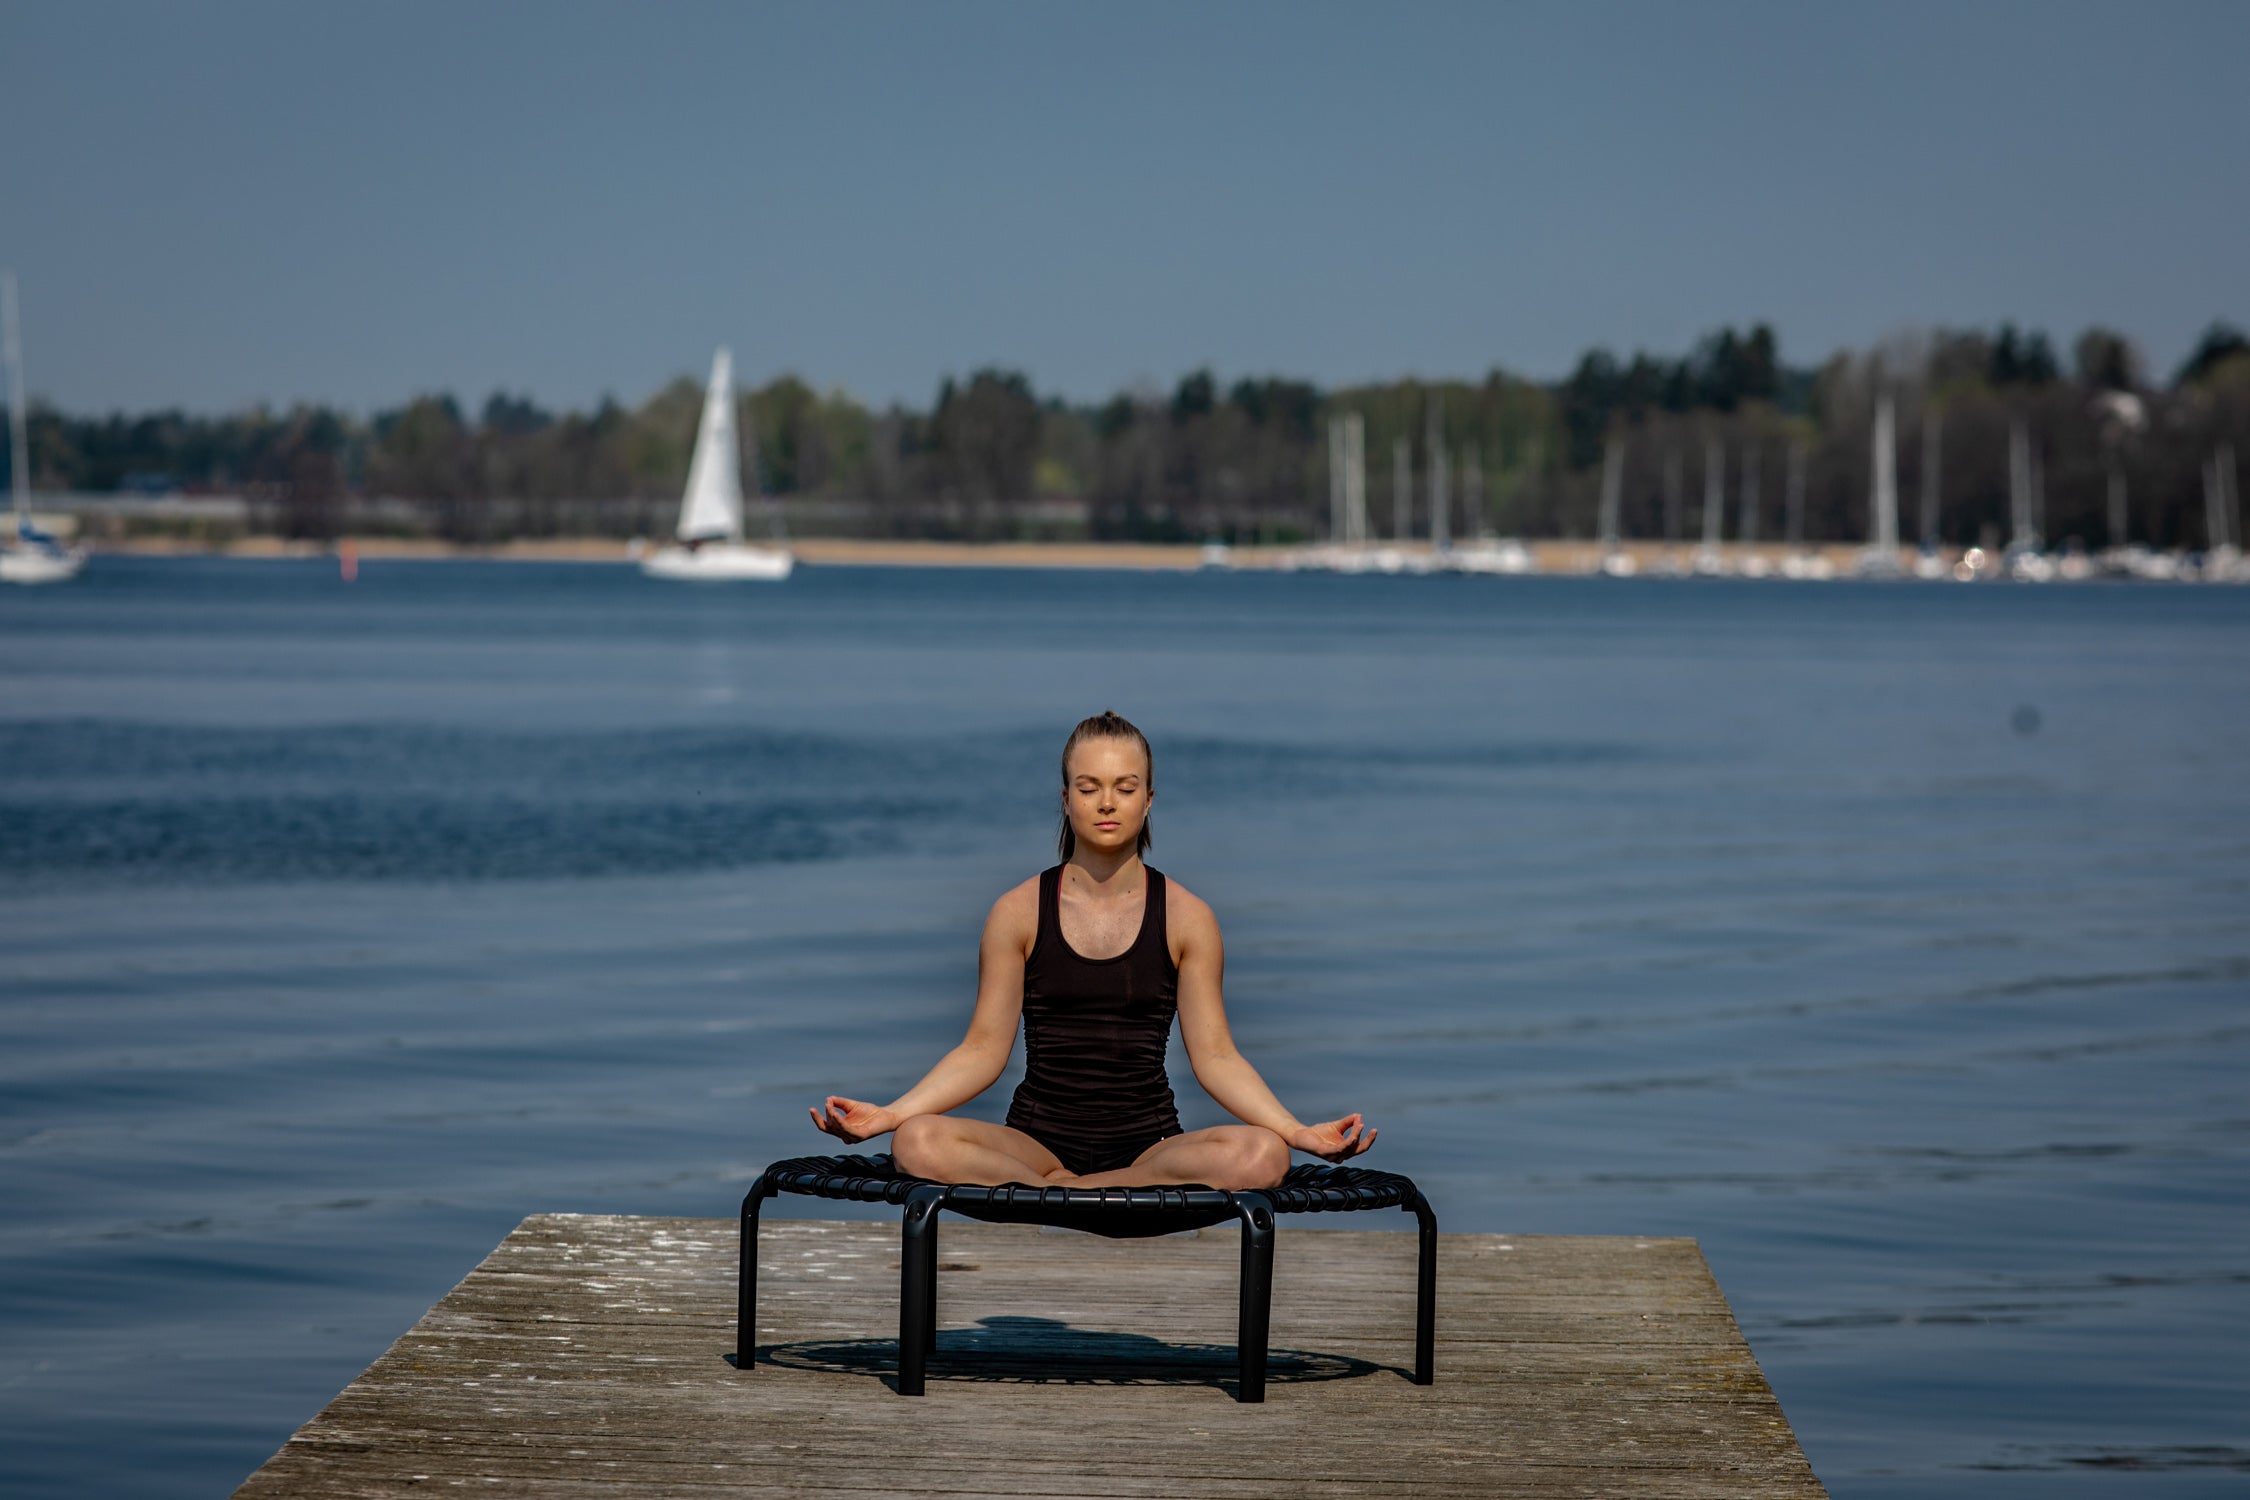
(38, 565)
(719, 562)
(1508, 558)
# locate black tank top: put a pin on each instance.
(1095, 1030)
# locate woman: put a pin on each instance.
(1094, 957)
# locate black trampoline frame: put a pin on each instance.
(1123, 1213)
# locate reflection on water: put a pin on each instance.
(347, 926)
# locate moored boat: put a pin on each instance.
(710, 548)
(33, 556)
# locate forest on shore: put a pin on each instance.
(993, 459)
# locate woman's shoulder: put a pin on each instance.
(1017, 911)
(1020, 897)
(1183, 906)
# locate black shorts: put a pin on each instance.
(1081, 1155)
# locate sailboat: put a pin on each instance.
(1879, 558)
(1616, 561)
(35, 557)
(710, 545)
(1710, 562)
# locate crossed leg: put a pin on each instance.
(945, 1149)
(1234, 1157)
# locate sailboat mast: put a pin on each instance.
(1335, 480)
(19, 436)
(2230, 502)
(1793, 498)
(1672, 500)
(2219, 504)
(1355, 479)
(1714, 494)
(2019, 487)
(1933, 456)
(1441, 505)
(1402, 489)
(1885, 538)
(1752, 461)
(1528, 489)
(2117, 500)
(1613, 493)
(2038, 496)
(1472, 492)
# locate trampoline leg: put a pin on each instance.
(746, 1276)
(917, 1287)
(1257, 1295)
(929, 1286)
(1425, 1294)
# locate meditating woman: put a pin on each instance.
(1095, 956)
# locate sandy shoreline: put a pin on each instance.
(1551, 556)
(829, 551)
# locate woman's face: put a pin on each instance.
(1107, 795)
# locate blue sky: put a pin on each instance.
(220, 203)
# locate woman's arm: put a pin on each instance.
(970, 1068)
(1226, 1075)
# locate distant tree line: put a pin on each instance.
(1785, 449)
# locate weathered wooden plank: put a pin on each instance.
(589, 1356)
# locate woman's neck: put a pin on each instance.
(1100, 870)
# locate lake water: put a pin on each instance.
(1890, 940)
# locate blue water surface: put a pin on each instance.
(1889, 940)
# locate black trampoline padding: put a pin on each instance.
(1117, 1212)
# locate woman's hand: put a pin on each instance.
(852, 1120)
(1334, 1140)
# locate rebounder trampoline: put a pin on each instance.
(1121, 1213)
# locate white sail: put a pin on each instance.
(711, 549)
(711, 511)
(30, 556)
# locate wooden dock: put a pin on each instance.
(591, 1356)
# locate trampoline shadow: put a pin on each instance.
(1042, 1351)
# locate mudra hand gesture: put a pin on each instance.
(852, 1120)
(1334, 1140)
